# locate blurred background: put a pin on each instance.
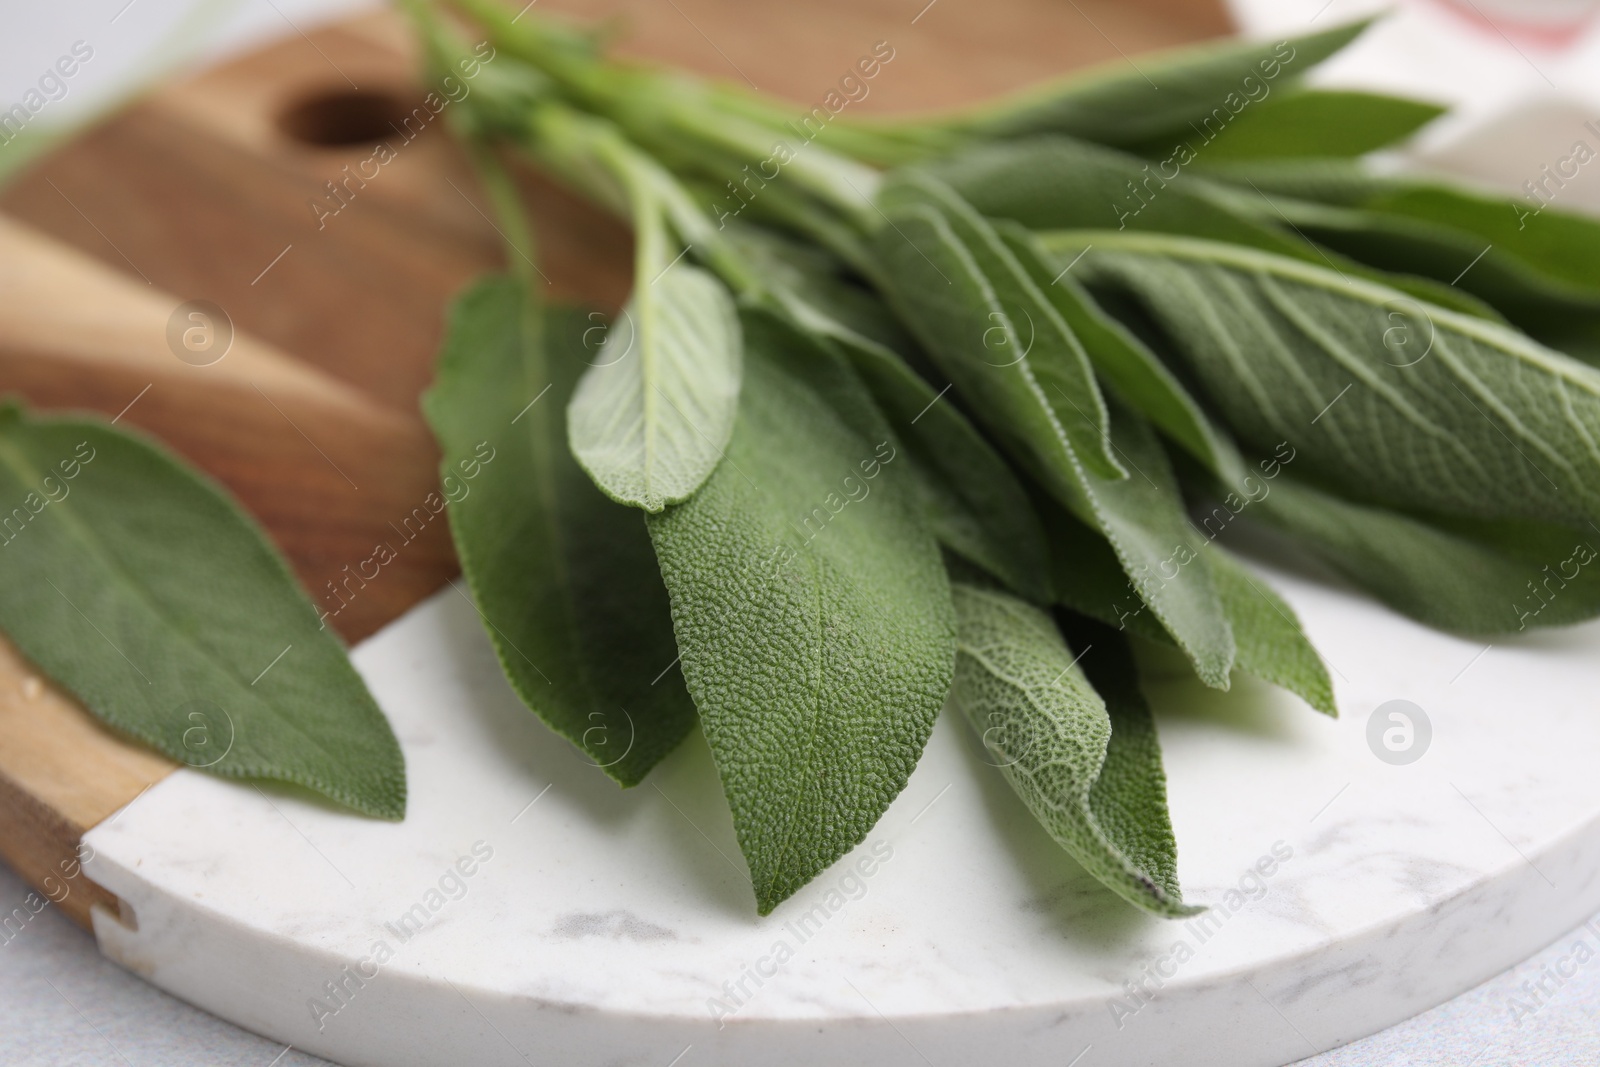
(1522, 75)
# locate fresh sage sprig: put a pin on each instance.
(1070, 336)
(976, 507)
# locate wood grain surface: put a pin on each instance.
(205, 190)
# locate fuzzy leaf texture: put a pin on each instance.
(1472, 578)
(145, 591)
(1393, 401)
(1270, 642)
(1561, 249)
(1272, 645)
(1124, 361)
(1087, 764)
(1021, 326)
(975, 504)
(1137, 550)
(813, 614)
(944, 291)
(1538, 265)
(564, 579)
(652, 414)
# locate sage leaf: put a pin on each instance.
(652, 414)
(1271, 645)
(1053, 183)
(1089, 578)
(1560, 249)
(1143, 518)
(1019, 324)
(975, 504)
(1120, 104)
(564, 579)
(810, 285)
(1057, 183)
(813, 614)
(1496, 578)
(944, 294)
(1086, 763)
(1332, 182)
(151, 596)
(1537, 265)
(1398, 403)
(1136, 550)
(1125, 362)
(1301, 123)
(1140, 524)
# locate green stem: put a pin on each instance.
(661, 109)
(506, 200)
(880, 142)
(578, 146)
(563, 53)
(444, 49)
(800, 213)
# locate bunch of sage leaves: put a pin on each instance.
(955, 407)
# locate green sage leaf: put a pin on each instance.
(944, 293)
(1161, 559)
(1051, 183)
(1559, 248)
(1125, 362)
(1334, 182)
(1057, 183)
(1301, 123)
(1537, 265)
(653, 413)
(974, 502)
(1465, 578)
(1271, 645)
(1393, 401)
(1144, 520)
(1123, 104)
(564, 579)
(1020, 326)
(144, 590)
(813, 614)
(1087, 764)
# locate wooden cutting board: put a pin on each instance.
(204, 191)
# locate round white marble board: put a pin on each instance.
(529, 911)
